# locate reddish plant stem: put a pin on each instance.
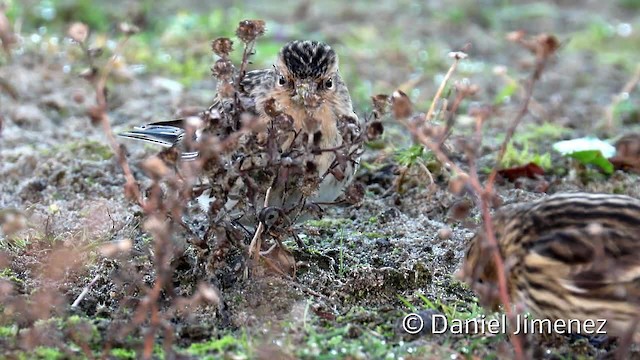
(484, 194)
(524, 109)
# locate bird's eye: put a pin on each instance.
(328, 83)
(282, 81)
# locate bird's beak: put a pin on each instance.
(306, 94)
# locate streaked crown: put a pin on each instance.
(308, 59)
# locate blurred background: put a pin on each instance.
(383, 45)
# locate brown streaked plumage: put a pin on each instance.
(304, 84)
(567, 256)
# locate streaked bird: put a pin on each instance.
(304, 86)
(566, 256)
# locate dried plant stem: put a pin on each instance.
(483, 194)
(524, 109)
(85, 291)
(626, 89)
(254, 247)
(484, 197)
(432, 108)
(246, 52)
(101, 102)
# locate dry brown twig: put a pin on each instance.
(79, 32)
(543, 46)
(457, 56)
(254, 247)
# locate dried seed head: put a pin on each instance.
(222, 46)
(401, 103)
(482, 111)
(380, 104)
(461, 209)
(78, 32)
(270, 108)
(547, 45)
(249, 30)
(223, 68)
(458, 55)
(374, 130)
(458, 183)
(95, 114)
(354, 193)
(155, 167)
(466, 88)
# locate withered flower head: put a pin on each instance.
(547, 45)
(249, 30)
(223, 68)
(374, 130)
(380, 104)
(401, 103)
(222, 46)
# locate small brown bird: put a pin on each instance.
(305, 86)
(566, 256)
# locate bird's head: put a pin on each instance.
(306, 76)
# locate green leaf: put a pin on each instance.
(588, 150)
(594, 157)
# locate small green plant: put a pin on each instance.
(588, 151)
(120, 353)
(514, 157)
(412, 155)
(227, 343)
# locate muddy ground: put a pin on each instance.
(366, 266)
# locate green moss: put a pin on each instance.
(90, 150)
(8, 331)
(514, 157)
(327, 223)
(411, 155)
(42, 352)
(8, 274)
(226, 344)
(373, 235)
(120, 353)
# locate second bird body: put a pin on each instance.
(567, 256)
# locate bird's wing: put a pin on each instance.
(169, 133)
(254, 79)
(157, 133)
